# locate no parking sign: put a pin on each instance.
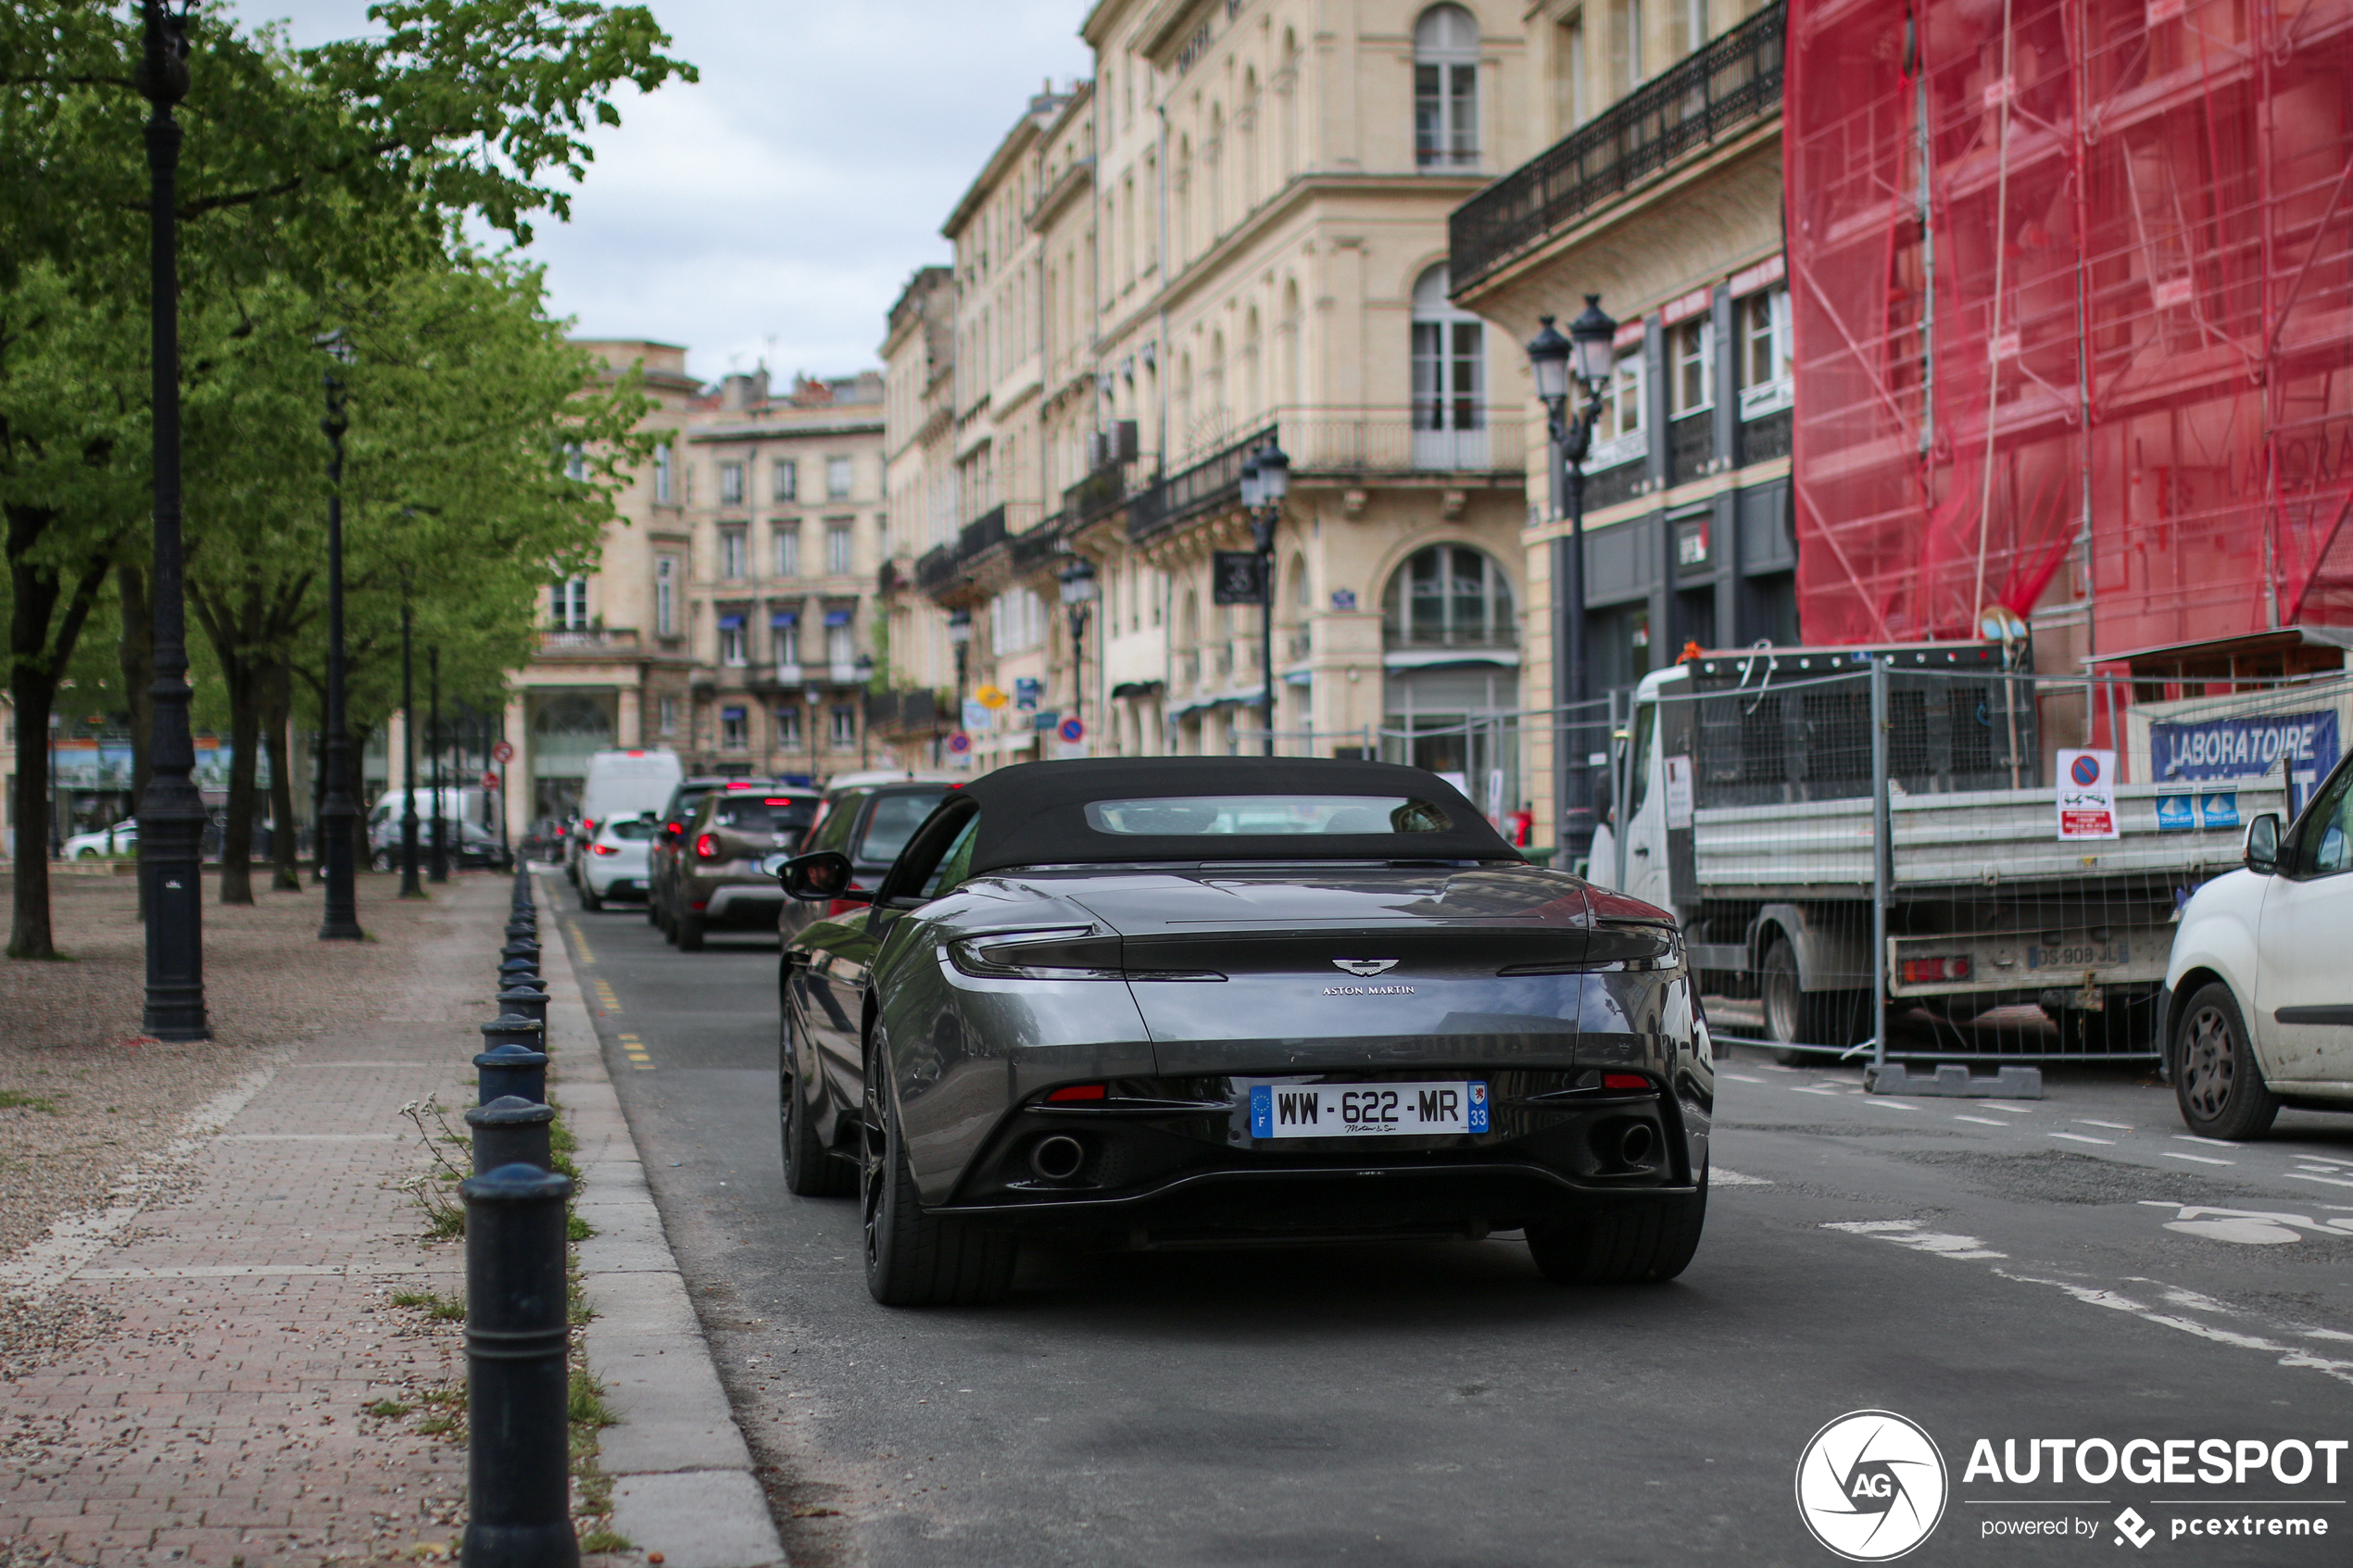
(960, 743)
(1071, 730)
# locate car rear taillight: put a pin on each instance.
(1927, 972)
(1074, 1092)
(604, 850)
(1624, 1080)
(587, 827)
(707, 847)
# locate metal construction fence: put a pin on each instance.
(1927, 863)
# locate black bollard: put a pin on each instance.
(526, 1001)
(519, 1444)
(511, 1131)
(512, 970)
(521, 947)
(511, 1069)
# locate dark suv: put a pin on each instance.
(870, 824)
(725, 869)
(670, 837)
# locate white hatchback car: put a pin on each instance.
(2258, 1006)
(613, 864)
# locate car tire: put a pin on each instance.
(1803, 1017)
(2217, 1080)
(810, 1169)
(653, 912)
(1631, 1244)
(687, 932)
(588, 898)
(670, 928)
(914, 1258)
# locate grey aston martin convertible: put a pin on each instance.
(1163, 1001)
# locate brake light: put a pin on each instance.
(1624, 1080)
(1927, 972)
(675, 830)
(707, 847)
(1079, 1092)
(587, 826)
(604, 850)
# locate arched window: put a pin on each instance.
(1290, 387)
(1213, 174)
(1450, 379)
(1446, 89)
(1449, 595)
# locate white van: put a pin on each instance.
(621, 784)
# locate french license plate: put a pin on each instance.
(1342, 1110)
(2078, 955)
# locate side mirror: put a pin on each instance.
(2263, 844)
(1600, 786)
(819, 876)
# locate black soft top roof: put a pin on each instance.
(1034, 813)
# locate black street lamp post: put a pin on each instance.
(171, 814)
(1266, 481)
(335, 816)
(1587, 357)
(408, 888)
(440, 862)
(1079, 592)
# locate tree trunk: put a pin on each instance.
(29, 934)
(363, 853)
(136, 654)
(39, 651)
(236, 835)
(277, 716)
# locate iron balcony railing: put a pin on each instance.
(1721, 87)
(1215, 482)
(986, 529)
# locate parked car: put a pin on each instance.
(470, 846)
(1132, 1002)
(2256, 1008)
(869, 823)
(614, 866)
(727, 875)
(619, 783)
(120, 839)
(667, 844)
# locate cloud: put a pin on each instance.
(775, 209)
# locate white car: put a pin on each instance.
(612, 863)
(120, 839)
(2258, 1008)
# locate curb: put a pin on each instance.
(683, 1480)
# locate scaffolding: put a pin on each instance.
(2071, 277)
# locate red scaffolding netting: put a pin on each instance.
(2069, 264)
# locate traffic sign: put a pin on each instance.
(960, 743)
(490, 780)
(1071, 730)
(504, 751)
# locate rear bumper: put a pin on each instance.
(742, 901)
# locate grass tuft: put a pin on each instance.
(390, 1409)
(17, 1100)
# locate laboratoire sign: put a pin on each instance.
(1873, 1485)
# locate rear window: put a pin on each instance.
(635, 829)
(893, 821)
(748, 813)
(1260, 816)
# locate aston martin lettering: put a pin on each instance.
(1364, 966)
(1368, 990)
(1331, 1110)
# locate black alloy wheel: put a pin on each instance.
(810, 1169)
(2216, 1077)
(687, 931)
(914, 1258)
(1625, 1243)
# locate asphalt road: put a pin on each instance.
(2070, 1268)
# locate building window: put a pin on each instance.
(662, 458)
(845, 729)
(1016, 621)
(568, 604)
(667, 715)
(837, 549)
(731, 553)
(734, 730)
(1449, 595)
(1692, 346)
(731, 484)
(1765, 354)
(787, 549)
(788, 729)
(1449, 376)
(575, 461)
(731, 640)
(785, 479)
(666, 597)
(837, 478)
(1618, 436)
(841, 641)
(1446, 89)
(784, 631)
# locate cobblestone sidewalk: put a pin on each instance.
(235, 1384)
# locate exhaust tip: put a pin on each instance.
(1635, 1148)
(1057, 1158)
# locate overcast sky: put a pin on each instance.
(774, 210)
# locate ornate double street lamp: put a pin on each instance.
(171, 814)
(335, 816)
(1266, 481)
(960, 638)
(1079, 592)
(1587, 357)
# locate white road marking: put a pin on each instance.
(2332, 1180)
(2111, 1126)
(2289, 1354)
(1807, 1091)
(1718, 1177)
(1983, 1120)
(2079, 1138)
(1738, 1077)
(2201, 1158)
(2005, 1105)
(1892, 1104)
(2192, 1138)
(1906, 1233)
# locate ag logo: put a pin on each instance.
(1870, 1486)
